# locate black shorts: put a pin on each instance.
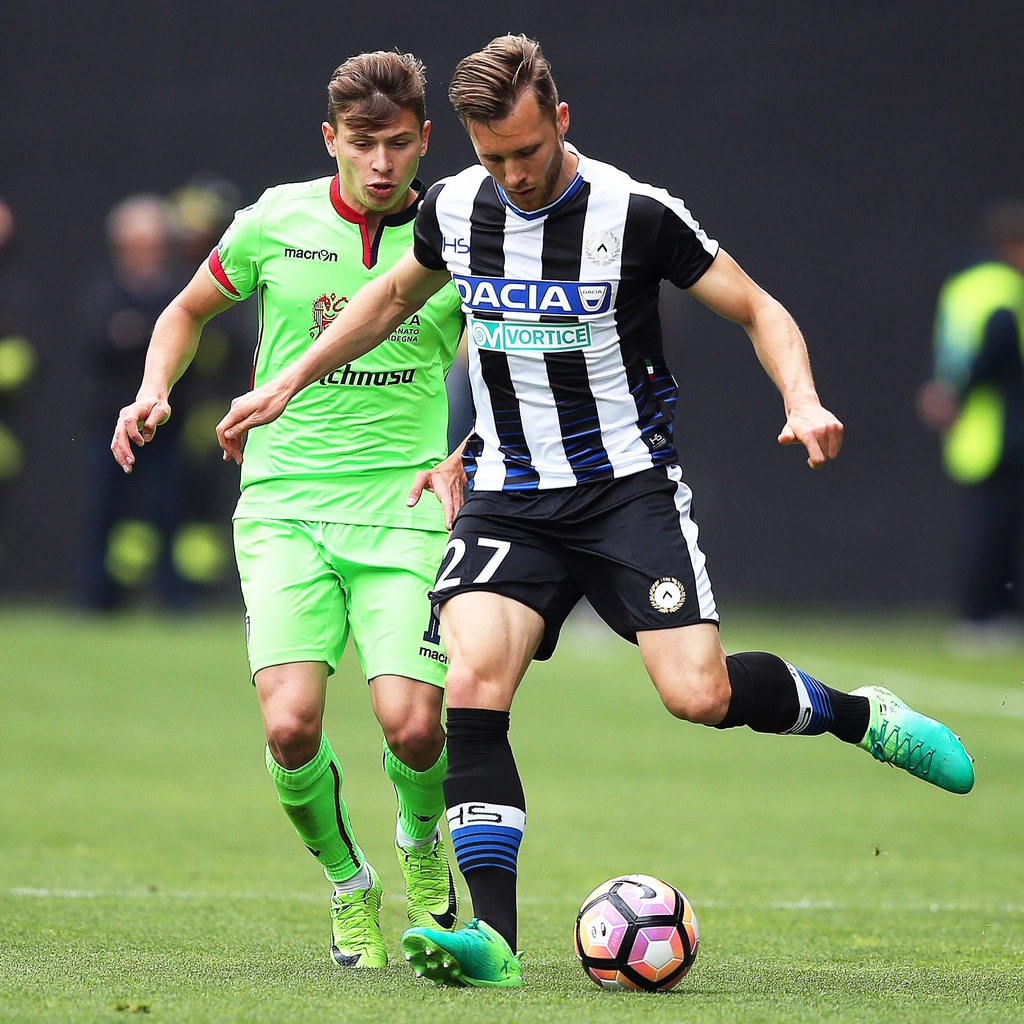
(629, 545)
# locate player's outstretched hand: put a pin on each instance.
(818, 430)
(254, 409)
(447, 480)
(136, 424)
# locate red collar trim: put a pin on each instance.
(346, 212)
(342, 208)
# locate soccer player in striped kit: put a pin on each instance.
(575, 483)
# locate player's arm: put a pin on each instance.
(372, 314)
(174, 343)
(728, 291)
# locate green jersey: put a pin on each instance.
(347, 447)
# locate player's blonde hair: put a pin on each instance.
(371, 90)
(488, 84)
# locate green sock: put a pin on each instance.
(420, 796)
(311, 797)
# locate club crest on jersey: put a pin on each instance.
(325, 309)
(509, 336)
(511, 295)
(602, 248)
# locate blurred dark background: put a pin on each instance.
(841, 152)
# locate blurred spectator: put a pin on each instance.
(976, 402)
(201, 211)
(17, 353)
(129, 524)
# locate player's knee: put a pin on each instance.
(468, 686)
(294, 739)
(414, 738)
(701, 697)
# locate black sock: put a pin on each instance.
(770, 695)
(486, 812)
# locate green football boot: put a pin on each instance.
(900, 736)
(431, 899)
(476, 956)
(356, 940)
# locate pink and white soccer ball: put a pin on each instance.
(636, 932)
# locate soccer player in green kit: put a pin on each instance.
(329, 539)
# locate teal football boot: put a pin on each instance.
(475, 956)
(900, 736)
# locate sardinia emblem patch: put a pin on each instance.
(667, 595)
(325, 309)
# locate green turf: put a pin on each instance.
(145, 869)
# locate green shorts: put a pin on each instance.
(307, 585)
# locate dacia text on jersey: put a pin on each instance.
(513, 295)
(564, 302)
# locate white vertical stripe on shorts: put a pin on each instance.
(683, 498)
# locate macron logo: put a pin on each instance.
(324, 255)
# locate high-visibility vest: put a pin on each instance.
(974, 445)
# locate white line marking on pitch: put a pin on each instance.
(28, 892)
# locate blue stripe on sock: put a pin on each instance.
(822, 714)
(480, 846)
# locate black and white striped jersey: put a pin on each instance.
(566, 361)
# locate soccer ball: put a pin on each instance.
(636, 932)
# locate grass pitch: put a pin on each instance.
(145, 869)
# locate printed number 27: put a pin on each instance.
(457, 547)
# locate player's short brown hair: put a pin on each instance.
(488, 84)
(371, 90)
